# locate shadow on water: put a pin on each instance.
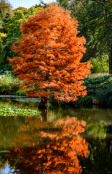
(24, 147)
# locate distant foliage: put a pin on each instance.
(49, 54)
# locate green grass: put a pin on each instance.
(18, 112)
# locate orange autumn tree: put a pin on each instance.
(49, 54)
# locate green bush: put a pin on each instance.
(100, 64)
(21, 92)
(8, 84)
(104, 95)
(85, 101)
(97, 82)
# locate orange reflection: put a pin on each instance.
(58, 151)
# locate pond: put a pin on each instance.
(21, 141)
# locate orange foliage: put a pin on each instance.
(59, 152)
(49, 54)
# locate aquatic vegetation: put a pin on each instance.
(18, 112)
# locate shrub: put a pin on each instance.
(100, 64)
(8, 84)
(21, 92)
(101, 88)
(92, 83)
(105, 95)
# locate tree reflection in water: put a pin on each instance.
(57, 152)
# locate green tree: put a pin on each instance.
(13, 28)
(2, 52)
(5, 13)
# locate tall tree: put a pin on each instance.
(5, 13)
(2, 52)
(49, 55)
(12, 28)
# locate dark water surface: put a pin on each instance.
(20, 138)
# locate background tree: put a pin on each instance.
(2, 52)
(5, 13)
(12, 28)
(49, 55)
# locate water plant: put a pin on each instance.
(18, 112)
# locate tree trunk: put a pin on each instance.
(43, 103)
(110, 61)
(43, 108)
(43, 114)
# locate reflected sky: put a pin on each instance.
(7, 169)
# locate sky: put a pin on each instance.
(26, 3)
